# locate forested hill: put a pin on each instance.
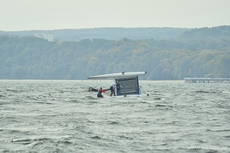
(102, 33)
(36, 58)
(221, 32)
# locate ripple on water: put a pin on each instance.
(61, 116)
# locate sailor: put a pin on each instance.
(99, 94)
(118, 89)
(112, 89)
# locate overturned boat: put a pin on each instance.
(127, 83)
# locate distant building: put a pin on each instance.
(48, 37)
(207, 80)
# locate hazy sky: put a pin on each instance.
(18, 15)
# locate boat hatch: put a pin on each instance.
(127, 86)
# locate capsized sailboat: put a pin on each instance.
(127, 83)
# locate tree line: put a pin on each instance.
(103, 33)
(163, 59)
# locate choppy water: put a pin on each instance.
(61, 116)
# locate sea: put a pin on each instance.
(63, 116)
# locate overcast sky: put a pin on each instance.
(16, 15)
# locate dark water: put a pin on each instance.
(61, 116)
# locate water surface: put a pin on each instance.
(62, 116)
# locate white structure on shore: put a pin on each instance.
(48, 37)
(207, 80)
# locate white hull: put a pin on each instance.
(118, 75)
(127, 83)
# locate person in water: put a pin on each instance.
(112, 89)
(118, 89)
(99, 94)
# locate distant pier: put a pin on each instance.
(207, 80)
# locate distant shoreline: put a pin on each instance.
(37, 80)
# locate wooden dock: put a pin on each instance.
(207, 80)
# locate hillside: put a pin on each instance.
(102, 33)
(36, 58)
(221, 32)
